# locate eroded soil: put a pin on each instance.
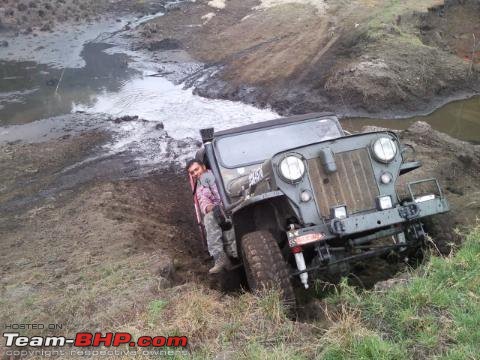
(95, 254)
(354, 58)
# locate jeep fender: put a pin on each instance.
(268, 212)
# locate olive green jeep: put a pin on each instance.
(304, 198)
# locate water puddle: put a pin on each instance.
(165, 108)
(40, 102)
(31, 91)
(459, 119)
(181, 112)
(61, 48)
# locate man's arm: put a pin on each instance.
(204, 199)
(208, 179)
(207, 193)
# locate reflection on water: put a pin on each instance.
(29, 91)
(181, 112)
(460, 119)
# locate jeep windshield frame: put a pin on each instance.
(253, 144)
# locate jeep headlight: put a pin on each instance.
(292, 168)
(384, 149)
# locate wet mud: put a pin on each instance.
(359, 59)
(28, 17)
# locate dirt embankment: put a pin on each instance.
(354, 58)
(95, 254)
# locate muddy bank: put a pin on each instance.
(357, 58)
(95, 253)
(30, 16)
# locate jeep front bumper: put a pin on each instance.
(356, 224)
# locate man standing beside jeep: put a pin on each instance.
(209, 200)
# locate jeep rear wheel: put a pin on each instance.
(265, 267)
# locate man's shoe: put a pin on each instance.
(222, 262)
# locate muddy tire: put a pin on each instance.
(265, 267)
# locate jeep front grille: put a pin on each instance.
(353, 184)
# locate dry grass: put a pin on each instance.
(219, 324)
(346, 327)
(419, 319)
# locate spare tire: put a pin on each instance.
(265, 266)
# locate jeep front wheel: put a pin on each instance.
(265, 267)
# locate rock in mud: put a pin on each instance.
(420, 128)
(165, 44)
(46, 27)
(125, 118)
(164, 267)
(465, 158)
(388, 284)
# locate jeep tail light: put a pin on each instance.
(296, 249)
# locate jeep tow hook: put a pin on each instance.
(337, 227)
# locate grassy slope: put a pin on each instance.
(435, 314)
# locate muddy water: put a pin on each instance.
(31, 91)
(103, 80)
(460, 119)
(42, 100)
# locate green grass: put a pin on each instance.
(381, 25)
(435, 315)
(155, 309)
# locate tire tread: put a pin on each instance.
(265, 265)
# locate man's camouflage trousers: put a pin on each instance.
(216, 241)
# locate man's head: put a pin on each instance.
(196, 168)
